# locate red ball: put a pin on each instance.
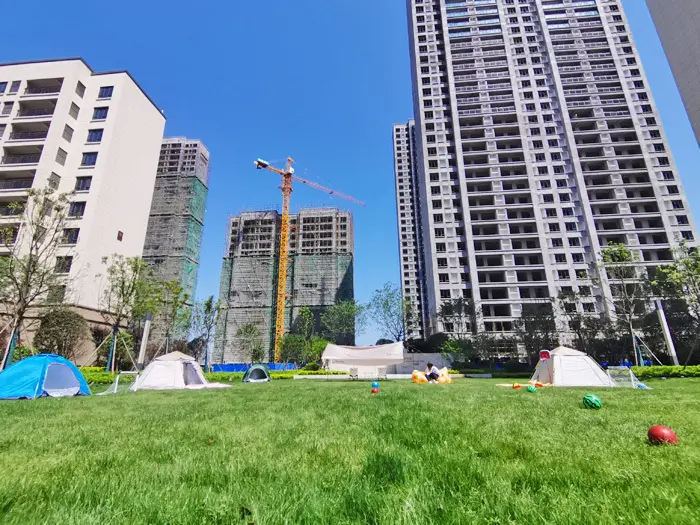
(659, 435)
(375, 390)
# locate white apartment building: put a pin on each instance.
(410, 234)
(678, 22)
(537, 143)
(96, 135)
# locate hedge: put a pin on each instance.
(650, 372)
(96, 375)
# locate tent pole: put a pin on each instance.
(670, 348)
(144, 342)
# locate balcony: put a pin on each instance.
(16, 184)
(36, 108)
(32, 158)
(43, 87)
(29, 132)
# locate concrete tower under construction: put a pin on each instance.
(319, 275)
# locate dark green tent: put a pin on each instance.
(257, 374)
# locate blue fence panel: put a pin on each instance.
(243, 367)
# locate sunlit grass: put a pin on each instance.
(329, 452)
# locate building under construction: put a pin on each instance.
(319, 274)
(175, 225)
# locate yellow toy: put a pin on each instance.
(419, 377)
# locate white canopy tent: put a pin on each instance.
(366, 359)
(568, 367)
(174, 371)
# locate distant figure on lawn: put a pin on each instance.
(432, 374)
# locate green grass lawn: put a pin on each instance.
(329, 452)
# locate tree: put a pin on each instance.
(61, 332)
(174, 317)
(205, 315)
(341, 321)
(383, 342)
(681, 279)
(250, 341)
(130, 292)
(536, 329)
(32, 274)
(458, 316)
(304, 323)
(586, 327)
(388, 310)
(628, 285)
(293, 348)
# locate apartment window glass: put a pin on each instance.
(14, 87)
(70, 235)
(3, 87)
(80, 89)
(63, 264)
(83, 183)
(68, 133)
(76, 210)
(89, 159)
(61, 156)
(95, 135)
(106, 92)
(74, 110)
(54, 181)
(99, 113)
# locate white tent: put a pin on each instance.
(569, 367)
(337, 357)
(174, 371)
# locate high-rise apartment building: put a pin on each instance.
(319, 273)
(408, 205)
(95, 136)
(678, 22)
(537, 144)
(174, 236)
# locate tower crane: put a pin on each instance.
(288, 176)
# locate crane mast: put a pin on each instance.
(288, 176)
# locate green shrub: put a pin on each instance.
(651, 372)
(98, 376)
(311, 366)
(22, 351)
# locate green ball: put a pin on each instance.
(592, 401)
(531, 388)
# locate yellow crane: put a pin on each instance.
(287, 177)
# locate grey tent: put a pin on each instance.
(257, 374)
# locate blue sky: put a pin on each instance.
(321, 81)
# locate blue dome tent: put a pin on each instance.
(42, 375)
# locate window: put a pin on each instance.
(83, 183)
(3, 87)
(7, 108)
(444, 294)
(99, 113)
(61, 156)
(563, 274)
(68, 133)
(54, 181)
(76, 210)
(577, 258)
(89, 159)
(80, 89)
(74, 110)
(14, 88)
(95, 135)
(63, 264)
(560, 258)
(120, 236)
(70, 235)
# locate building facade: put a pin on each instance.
(320, 273)
(677, 22)
(408, 206)
(537, 144)
(95, 136)
(175, 225)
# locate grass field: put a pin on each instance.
(330, 453)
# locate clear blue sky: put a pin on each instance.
(321, 81)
